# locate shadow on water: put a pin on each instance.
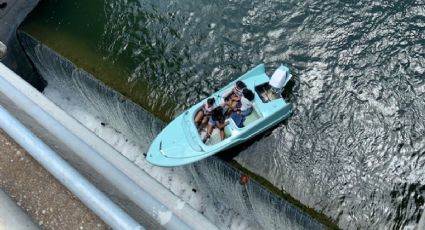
(289, 88)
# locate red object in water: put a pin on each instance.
(243, 180)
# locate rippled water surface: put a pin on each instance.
(354, 148)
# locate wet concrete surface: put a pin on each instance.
(12, 217)
(12, 13)
(47, 202)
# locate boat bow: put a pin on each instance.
(178, 142)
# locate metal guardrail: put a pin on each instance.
(30, 102)
(94, 199)
(143, 199)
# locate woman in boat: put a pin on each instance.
(246, 103)
(216, 120)
(245, 108)
(233, 97)
(204, 113)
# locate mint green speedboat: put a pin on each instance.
(181, 143)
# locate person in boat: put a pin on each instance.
(217, 120)
(245, 109)
(204, 113)
(246, 103)
(233, 97)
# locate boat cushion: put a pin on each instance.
(238, 119)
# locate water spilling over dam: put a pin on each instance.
(211, 186)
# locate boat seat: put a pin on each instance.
(242, 122)
(251, 117)
(215, 136)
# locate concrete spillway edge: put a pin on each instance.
(94, 199)
(12, 217)
(136, 184)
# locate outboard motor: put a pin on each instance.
(279, 79)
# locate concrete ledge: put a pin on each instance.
(179, 208)
(12, 217)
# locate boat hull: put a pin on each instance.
(180, 143)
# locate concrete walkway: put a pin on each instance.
(49, 203)
(12, 217)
